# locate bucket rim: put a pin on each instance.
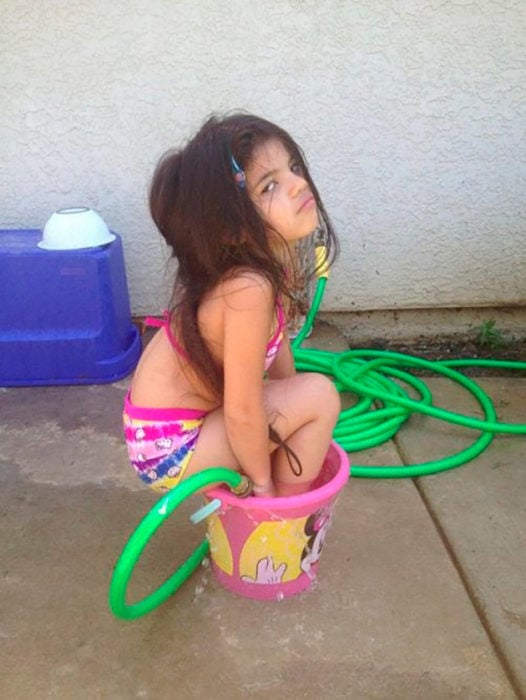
(325, 492)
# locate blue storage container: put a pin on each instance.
(64, 314)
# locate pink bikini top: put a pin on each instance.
(273, 344)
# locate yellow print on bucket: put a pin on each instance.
(272, 553)
(219, 545)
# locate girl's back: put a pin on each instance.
(241, 305)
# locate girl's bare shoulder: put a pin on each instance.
(245, 290)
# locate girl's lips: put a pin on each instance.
(306, 203)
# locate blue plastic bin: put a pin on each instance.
(64, 314)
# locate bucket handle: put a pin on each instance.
(206, 510)
(138, 540)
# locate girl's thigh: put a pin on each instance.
(290, 404)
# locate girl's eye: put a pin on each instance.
(296, 168)
(269, 187)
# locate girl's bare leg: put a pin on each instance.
(303, 410)
(308, 412)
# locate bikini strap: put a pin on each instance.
(164, 322)
(154, 322)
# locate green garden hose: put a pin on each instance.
(376, 378)
(383, 404)
(142, 534)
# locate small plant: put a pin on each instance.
(490, 337)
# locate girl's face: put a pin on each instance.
(276, 186)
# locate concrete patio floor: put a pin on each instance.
(421, 591)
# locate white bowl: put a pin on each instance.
(75, 227)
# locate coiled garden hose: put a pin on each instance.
(377, 379)
(382, 407)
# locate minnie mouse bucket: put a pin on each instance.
(269, 548)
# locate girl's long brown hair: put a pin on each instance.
(212, 227)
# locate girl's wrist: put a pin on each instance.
(266, 489)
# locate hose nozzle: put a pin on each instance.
(243, 489)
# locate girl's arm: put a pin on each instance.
(248, 312)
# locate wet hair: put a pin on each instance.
(212, 227)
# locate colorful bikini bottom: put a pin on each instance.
(161, 442)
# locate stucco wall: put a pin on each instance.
(411, 114)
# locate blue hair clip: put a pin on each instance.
(239, 174)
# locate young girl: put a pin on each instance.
(216, 386)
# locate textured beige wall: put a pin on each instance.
(411, 112)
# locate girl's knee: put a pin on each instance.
(324, 393)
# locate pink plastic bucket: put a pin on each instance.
(269, 548)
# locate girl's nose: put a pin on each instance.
(298, 184)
